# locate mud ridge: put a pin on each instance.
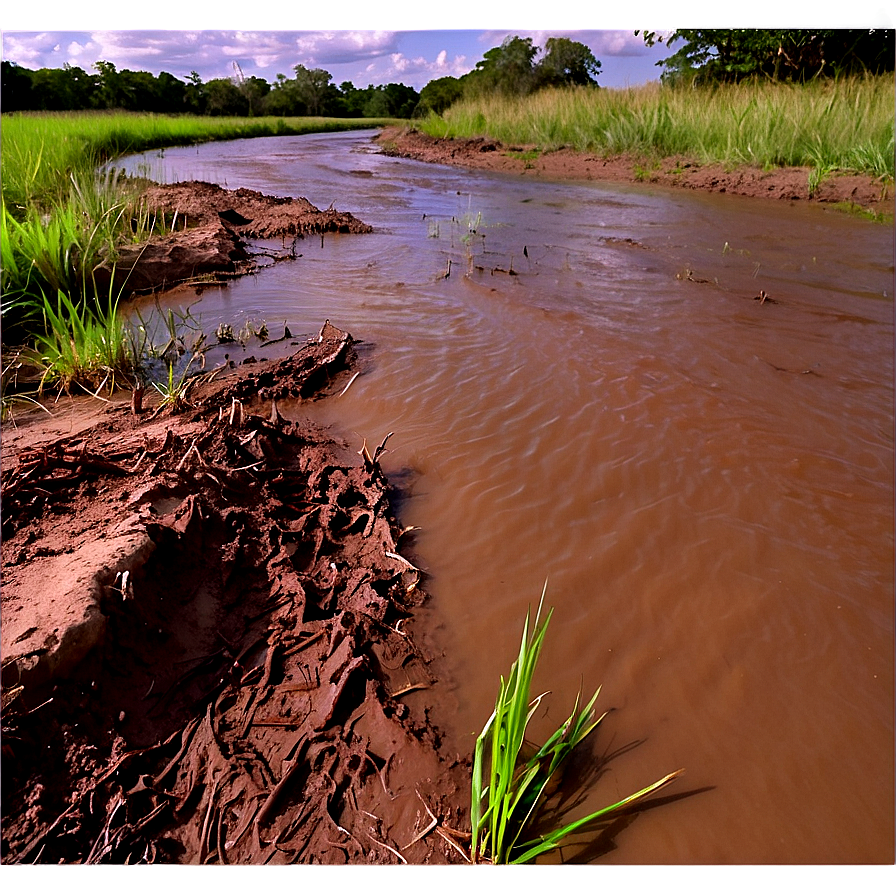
(790, 184)
(222, 671)
(213, 233)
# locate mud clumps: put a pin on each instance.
(211, 239)
(248, 690)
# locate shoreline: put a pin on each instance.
(206, 610)
(850, 192)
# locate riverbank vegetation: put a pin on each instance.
(59, 217)
(736, 97)
(844, 124)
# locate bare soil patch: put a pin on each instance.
(207, 640)
(791, 184)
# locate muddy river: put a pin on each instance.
(596, 396)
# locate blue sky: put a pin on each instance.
(365, 43)
(360, 56)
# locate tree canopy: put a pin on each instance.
(512, 68)
(733, 54)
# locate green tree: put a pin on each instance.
(566, 61)
(507, 69)
(110, 94)
(54, 89)
(353, 100)
(313, 88)
(15, 87)
(733, 54)
(439, 94)
(194, 94)
(223, 97)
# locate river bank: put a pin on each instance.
(207, 609)
(722, 566)
(859, 193)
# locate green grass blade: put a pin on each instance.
(551, 841)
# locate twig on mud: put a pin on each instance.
(402, 560)
(187, 453)
(205, 824)
(295, 648)
(250, 817)
(409, 688)
(442, 830)
(257, 463)
(268, 666)
(427, 830)
(380, 772)
(381, 447)
(394, 852)
(275, 794)
(342, 830)
(42, 835)
(236, 413)
(185, 738)
(222, 855)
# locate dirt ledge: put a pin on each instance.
(235, 682)
(792, 184)
(213, 233)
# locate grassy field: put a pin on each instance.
(60, 216)
(845, 125)
(41, 151)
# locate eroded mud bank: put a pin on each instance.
(791, 184)
(205, 657)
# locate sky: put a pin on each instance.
(403, 41)
(363, 57)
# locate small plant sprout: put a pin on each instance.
(174, 391)
(507, 787)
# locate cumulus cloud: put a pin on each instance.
(322, 48)
(363, 57)
(417, 71)
(601, 43)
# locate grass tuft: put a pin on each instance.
(504, 807)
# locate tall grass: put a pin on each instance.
(845, 124)
(60, 216)
(42, 150)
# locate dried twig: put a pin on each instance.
(394, 852)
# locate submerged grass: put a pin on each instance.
(840, 125)
(504, 807)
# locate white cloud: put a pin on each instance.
(322, 48)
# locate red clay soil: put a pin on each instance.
(211, 243)
(206, 656)
(791, 184)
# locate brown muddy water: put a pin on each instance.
(706, 481)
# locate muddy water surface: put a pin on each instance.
(593, 396)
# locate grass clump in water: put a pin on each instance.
(504, 805)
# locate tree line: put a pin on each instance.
(308, 92)
(510, 68)
(517, 67)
